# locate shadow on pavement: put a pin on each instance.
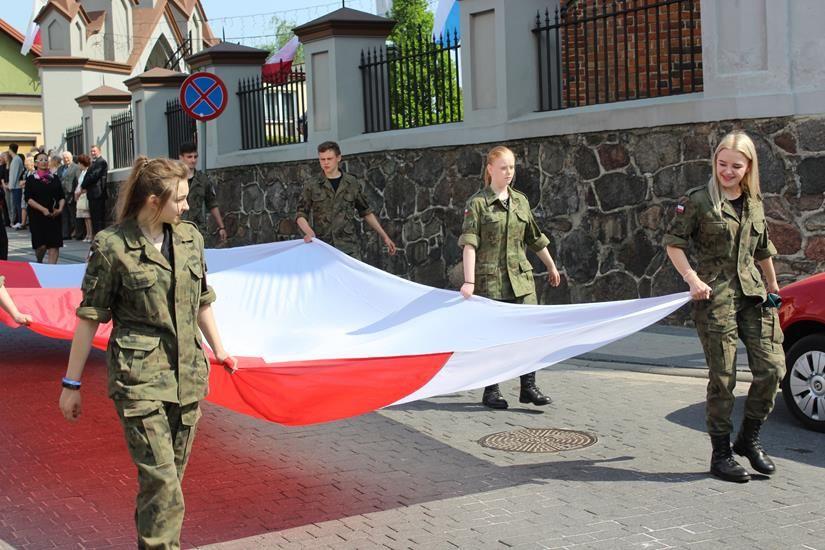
(468, 407)
(65, 483)
(782, 436)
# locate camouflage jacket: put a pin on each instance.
(154, 351)
(330, 213)
(500, 237)
(201, 199)
(725, 245)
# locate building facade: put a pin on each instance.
(88, 44)
(21, 107)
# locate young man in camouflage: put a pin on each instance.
(202, 198)
(331, 200)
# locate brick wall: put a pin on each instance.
(628, 49)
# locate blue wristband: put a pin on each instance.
(70, 382)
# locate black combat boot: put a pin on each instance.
(747, 444)
(492, 398)
(722, 464)
(530, 393)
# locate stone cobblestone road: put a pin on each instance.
(412, 476)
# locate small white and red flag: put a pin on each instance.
(33, 30)
(278, 65)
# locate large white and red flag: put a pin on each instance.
(33, 30)
(277, 66)
(321, 336)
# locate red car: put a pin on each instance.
(802, 316)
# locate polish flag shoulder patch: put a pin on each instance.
(680, 208)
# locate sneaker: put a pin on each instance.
(18, 225)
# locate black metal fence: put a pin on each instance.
(408, 85)
(74, 140)
(274, 110)
(123, 139)
(601, 51)
(180, 128)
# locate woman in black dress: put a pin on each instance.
(45, 200)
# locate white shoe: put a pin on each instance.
(18, 225)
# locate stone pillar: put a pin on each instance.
(97, 108)
(745, 48)
(230, 63)
(150, 93)
(499, 59)
(332, 51)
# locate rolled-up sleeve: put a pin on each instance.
(210, 197)
(682, 225)
(100, 284)
(764, 248)
(362, 205)
(533, 237)
(304, 203)
(470, 227)
(207, 292)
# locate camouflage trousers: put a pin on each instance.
(351, 248)
(159, 436)
(719, 327)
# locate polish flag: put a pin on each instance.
(320, 336)
(278, 65)
(33, 30)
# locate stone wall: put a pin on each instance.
(603, 199)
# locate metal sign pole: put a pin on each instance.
(205, 149)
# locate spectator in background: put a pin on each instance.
(6, 219)
(82, 201)
(45, 201)
(95, 186)
(14, 197)
(68, 173)
(4, 243)
(54, 163)
(28, 170)
(5, 195)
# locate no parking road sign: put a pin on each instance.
(203, 96)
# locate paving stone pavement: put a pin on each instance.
(20, 248)
(411, 476)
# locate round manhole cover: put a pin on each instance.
(538, 440)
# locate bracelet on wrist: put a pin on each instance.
(70, 384)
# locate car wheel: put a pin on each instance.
(804, 386)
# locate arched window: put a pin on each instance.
(160, 55)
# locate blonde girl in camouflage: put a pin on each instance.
(725, 222)
(498, 226)
(148, 276)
